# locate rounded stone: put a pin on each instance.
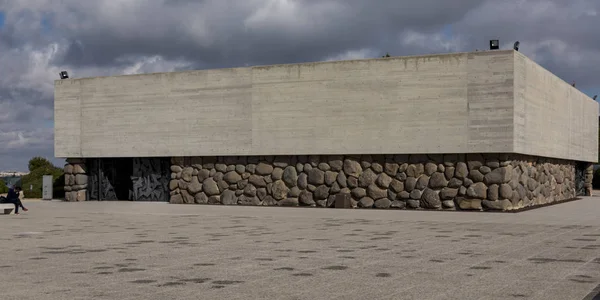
(359, 193)
(398, 204)
(195, 186)
(279, 190)
(322, 192)
(414, 204)
(448, 193)
(375, 192)
(174, 169)
(352, 168)
(316, 176)
(410, 184)
(299, 167)
(303, 181)
(430, 168)
(277, 174)
(290, 176)
(366, 202)
(330, 177)
(288, 202)
(232, 177)
(367, 178)
(264, 169)
(391, 169)
(476, 176)
(416, 194)
(221, 168)
(352, 182)
(342, 180)
(430, 199)
(384, 180)
(228, 197)
(448, 204)
(438, 180)
(324, 167)
(484, 170)
(210, 187)
(250, 190)
(397, 186)
(377, 167)
(201, 198)
(383, 203)
(404, 195)
(240, 169)
(401, 176)
(492, 192)
(461, 171)
(455, 183)
(415, 170)
(306, 198)
(422, 182)
(186, 174)
(477, 190)
(336, 162)
(506, 191)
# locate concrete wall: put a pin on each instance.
(453, 103)
(552, 118)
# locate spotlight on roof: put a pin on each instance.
(516, 46)
(494, 44)
(595, 96)
(64, 75)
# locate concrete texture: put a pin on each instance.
(127, 250)
(552, 118)
(451, 103)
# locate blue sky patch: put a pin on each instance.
(1, 19)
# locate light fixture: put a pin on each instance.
(516, 46)
(494, 44)
(64, 75)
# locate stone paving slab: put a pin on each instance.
(126, 250)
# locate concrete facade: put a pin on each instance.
(481, 102)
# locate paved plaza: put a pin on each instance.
(126, 250)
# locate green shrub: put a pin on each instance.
(3, 187)
(38, 167)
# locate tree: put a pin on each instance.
(386, 55)
(38, 167)
(39, 162)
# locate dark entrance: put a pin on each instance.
(580, 169)
(133, 179)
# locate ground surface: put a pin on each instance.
(109, 250)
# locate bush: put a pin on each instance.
(3, 187)
(38, 167)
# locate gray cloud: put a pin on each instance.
(110, 37)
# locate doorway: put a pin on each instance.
(129, 179)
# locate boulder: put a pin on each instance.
(322, 192)
(422, 182)
(306, 198)
(279, 190)
(438, 181)
(367, 178)
(448, 193)
(397, 186)
(232, 177)
(359, 193)
(477, 190)
(375, 192)
(430, 168)
(476, 176)
(383, 180)
(352, 167)
(290, 176)
(248, 200)
(506, 191)
(194, 186)
(461, 171)
(342, 180)
(201, 198)
(216, 199)
(288, 202)
(210, 187)
(383, 203)
(398, 204)
(330, 177)
(366, 202)
(391, 169)
(316, 176)
(187, 174)
(303, 181)
(257, 181)
(430, 199)
(499, 176)
(492, 192)
(264, 169)
(497, 205)
(228, 197)
(277, 174)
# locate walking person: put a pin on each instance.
(13, 197)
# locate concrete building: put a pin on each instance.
(481, 130)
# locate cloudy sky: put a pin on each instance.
(39, 38)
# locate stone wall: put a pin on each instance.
(453, 181)
(76, 180)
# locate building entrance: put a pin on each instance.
(133, 179)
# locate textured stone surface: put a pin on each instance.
(434, 181)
